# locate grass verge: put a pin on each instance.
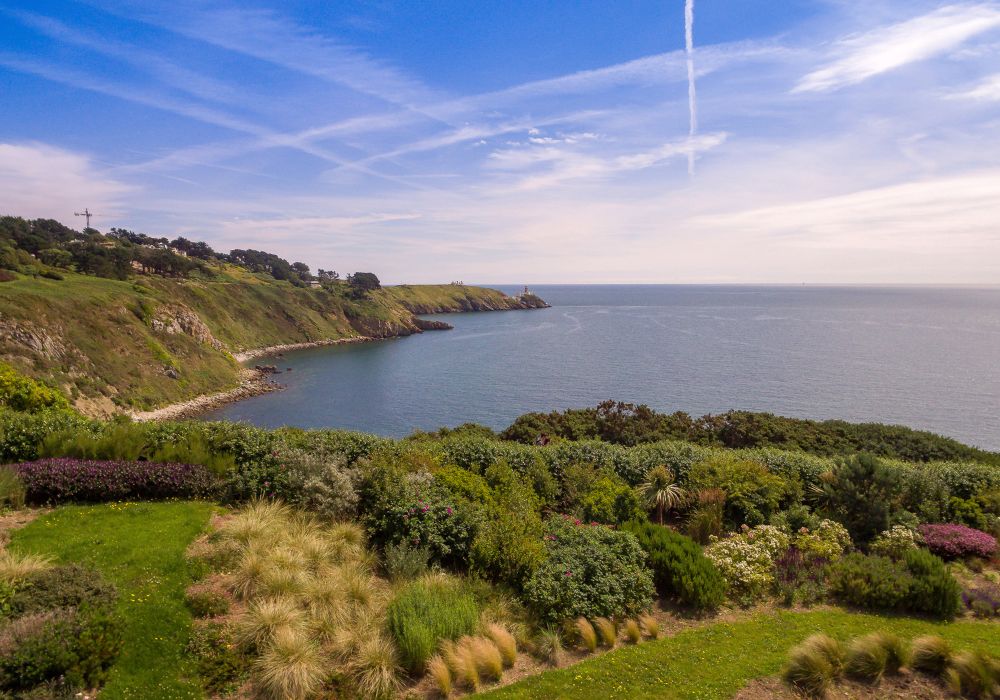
(717, 660)
(140, 547)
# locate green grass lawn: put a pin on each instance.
(140, 547)
(717, 660)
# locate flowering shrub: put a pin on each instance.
(955, 541)
(896, 542)
(591, 570)
(983, 599)
(61, 480)
(828, 541)
(746, 560)
(799, 577)
(412, 508)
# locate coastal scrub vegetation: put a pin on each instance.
(362, 565)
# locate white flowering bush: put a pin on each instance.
(896, 542)
(828, 540)
(746, 560)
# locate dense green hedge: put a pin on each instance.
(628, 424)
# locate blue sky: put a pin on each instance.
(836, 141)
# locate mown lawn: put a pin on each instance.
(716, 661)
(140, 547)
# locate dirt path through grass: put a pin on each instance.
(140, 547)
(715, 661)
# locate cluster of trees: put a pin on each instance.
(630, 424)
(24, 243)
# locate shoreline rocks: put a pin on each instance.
(253, 383)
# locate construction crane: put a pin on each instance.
(86, 212)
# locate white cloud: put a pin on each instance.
(935, 214)
(41, 181)
(986, 91)
(873, 53)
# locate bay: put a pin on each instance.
(925, 357)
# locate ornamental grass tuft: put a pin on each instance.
(587, 635)
(505, 642)
(808, 670)
(930, 654)
(439, 671)
(632, 632)
(607, 631)
(292, 666)
(867, 659)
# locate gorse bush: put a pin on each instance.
(21, 393)
(680, 568)
(68, 480)
(426, 612)
(591, 570)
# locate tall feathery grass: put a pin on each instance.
(930, 654)
(633, 633)
(12, 491)
(292, 666)
(650, 626)
(608, 631)
(315, 610)
(438, 669)
(866, 659)
(16, 567)
(971, 675)
(549, 646)
(587, 635)
(505, 643)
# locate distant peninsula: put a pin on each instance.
(127, 323)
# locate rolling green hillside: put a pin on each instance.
(149, 341)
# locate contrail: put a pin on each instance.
(692, 97)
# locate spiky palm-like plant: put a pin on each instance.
(659, 491)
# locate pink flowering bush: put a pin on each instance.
(63, 480)
(955, 541)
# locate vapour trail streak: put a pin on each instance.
(692, 97)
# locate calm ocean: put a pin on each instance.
(924, 357)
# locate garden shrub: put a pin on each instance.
(206, 602)
(828, 540)
(957, 541)
(22, 393)
(66, 586)
(753, 493)
(794, 518)
(65, 480)
(680, 569)
(73, 645)
(610, 501)
(428, 611)
(870, 582)
(463, 484)
(967, 512)
(800, 578)
(983, 599)
(12, 490)
(861, 493)
(591, 571)
(896, 542)
(221, 663)
(21, 433)
(318, 482)
(918, 583)
(706, 519)
(934, 590)
(412, 508)
(746, 560)
(403, 562)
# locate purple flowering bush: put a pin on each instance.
(62, 480)
(955, 541)
(983, 599)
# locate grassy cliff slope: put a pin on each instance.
(149, 341)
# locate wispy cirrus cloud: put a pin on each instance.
(863, 56)
(988, 90)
